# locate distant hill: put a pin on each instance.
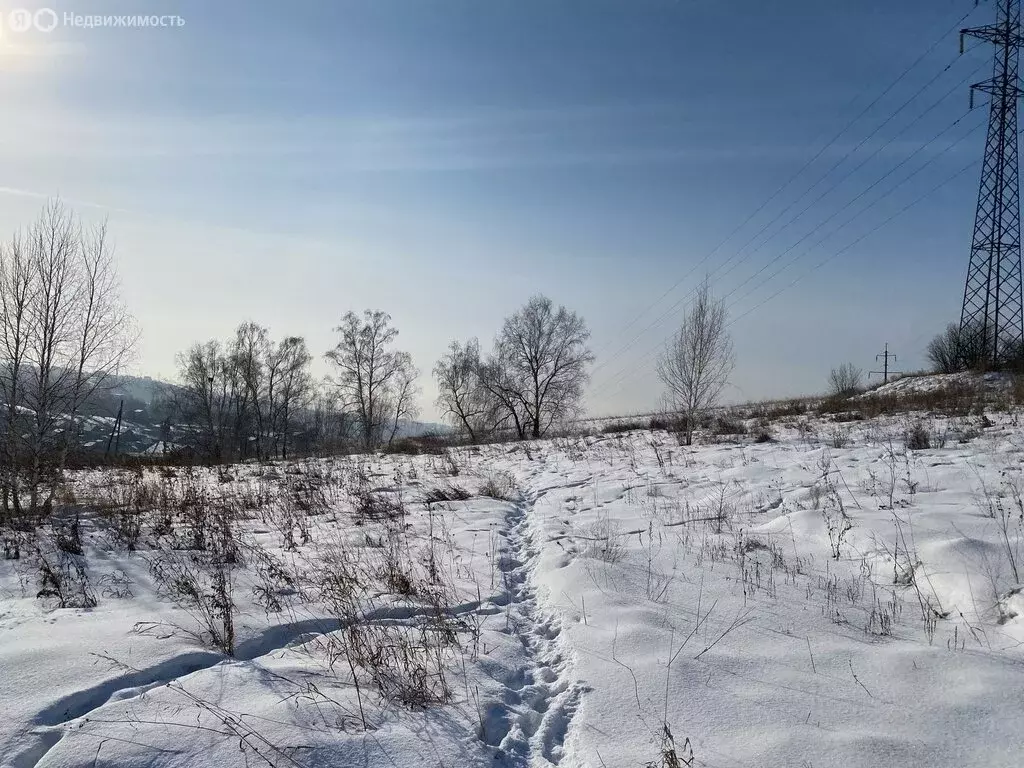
(148, 403)
(143, 388)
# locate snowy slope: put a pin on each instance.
(828, 599)
(982, 383)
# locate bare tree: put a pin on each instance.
(371, 375)
(539, 366)
(250, 356)
(961, 349)
(846, 380)
(207, 397)
(505, 393)
(290, 387)
(329, 426)
(241, 397)
(462, 397)
(697, 361)
(943, 352)
(64, 333)
(107, 333)
(16, 296)
(403, 393)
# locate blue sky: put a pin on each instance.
(445, 159)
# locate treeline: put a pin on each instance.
(241, 399)
(253, 397)
(64, 334)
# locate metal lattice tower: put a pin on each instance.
(992, 318)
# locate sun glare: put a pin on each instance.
(23, 46)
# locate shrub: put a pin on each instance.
(846, 380)
(450, 493)
(954, 350)
(68, 535)
(405, 445)
(918, 438)
(63, 576)
(762, 431)
(404, 662)
(499, 487)
(847, 416)
(371, 505)
(201, 583)
(413, 446)
(623, 426)
(954, 399)
(12, 548)
(668, 423)
(728, 426)
(604, 541)
(840, 438)
(785, 409)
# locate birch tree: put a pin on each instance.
(291, 387)
(207, 398)
(64, 333)
(698, 359)
(845, 380)
(371, 374)
(403, 393)
(462, 397)
(250, 358)
(242, 397)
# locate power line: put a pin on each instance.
(884, 223)
(938, 41)
(622, 377)
(626, 370)
(920, 336)
(846, 248)
(861, 165)
(877, 200)
(605, 361)
(866, 160)
(860, 239)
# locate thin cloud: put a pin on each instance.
(16, 192)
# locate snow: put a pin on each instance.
(990, 383)
(827, 599)
(160, 447)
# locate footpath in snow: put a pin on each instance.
(830, 598)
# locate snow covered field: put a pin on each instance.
(828, 598)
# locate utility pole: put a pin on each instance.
(115, 431)
(885, 364)
(992, 317)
